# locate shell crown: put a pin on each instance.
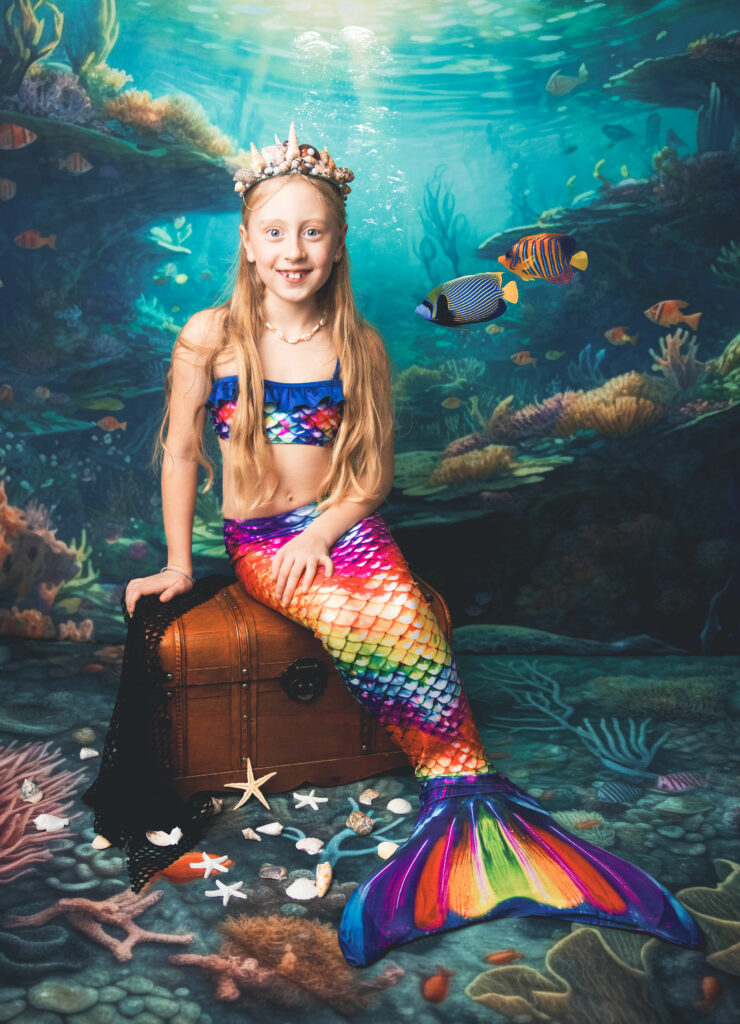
(291, 158)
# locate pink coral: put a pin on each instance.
(21, 847)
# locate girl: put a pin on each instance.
(296, 385)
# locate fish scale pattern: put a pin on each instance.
(378, 629)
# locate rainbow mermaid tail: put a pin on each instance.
(482, 848)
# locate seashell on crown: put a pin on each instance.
(291, 158)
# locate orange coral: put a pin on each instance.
(621, 418)
(477, 465)
(136, 107)
(30, 623)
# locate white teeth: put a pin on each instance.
(294, 276)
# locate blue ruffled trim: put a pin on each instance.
(285, 396)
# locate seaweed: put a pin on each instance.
(23, 31)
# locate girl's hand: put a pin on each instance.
(300, 555)
(166, 584)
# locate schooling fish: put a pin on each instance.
(33, 239)
(669, 312)
(620, 336)
(472, 299)
(559, 85)
(547, 256)
(15, 136)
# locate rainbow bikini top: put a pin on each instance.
(306, 413)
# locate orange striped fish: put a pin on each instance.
(15, 136)
(7, 189)
(75, 163)
(547, 256)
(33, 239)
(669, 312)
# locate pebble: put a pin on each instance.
(63, 996)
(181, 992)
(165, 1008)
(360, 823)
(696, 850)
(33, 1016)
(110, 994)
(131, 1006)
(273, 871)
(671, 832)
(12, 1008)
(105, 1014)
(137, 984)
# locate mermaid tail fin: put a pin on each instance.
(482, 848)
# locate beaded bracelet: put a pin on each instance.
(175, 569)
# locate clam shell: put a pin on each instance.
(398, 805)
(360, 823)
(100, 843)
(249, 833)
(387, 849)
(159, 838)
(30, 792)
(49, 822)
(273, 871)
(367, 796)
(323, 877)
(309, 844)
(302, 889)
(272, 828)
(87, 752)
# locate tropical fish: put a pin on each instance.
(453, 402)
(181, 278)
(616, 132)
(674, 140)
(597, 173)
(679, 781)
(7, 189)
(33, 239)
(6, 394)
(505, 956)
(182, 871)
(624, 171)
(524, 357)
(547, 256)
(589, 823)
(661, 35)
(711, 987)
(559, 85)
(75, 163)
(620, 336)
(494, 329)
(472, 299)
(554, 353)
(15, 136)
(668, 312)
(570, 183)
(111, 423)
(436, 986)
(618, 793)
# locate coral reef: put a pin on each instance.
(288, 960)
(119, 911)
(534, 420)
(623, 406)
(20, 848)
(23, 32)
(684, 697)
(467, 443)
(172, 118)
(681, 369)
(49, 93)
(587, 370)
(474, 465)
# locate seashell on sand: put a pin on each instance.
(49, 822)
(249, 833)
(360, 823)
(217, 804)
(302, 889)
(100, 843)
(323, 877)
(309, 844)
(272, 828)
(84, 736)
(30, 792)
(88, 752)
(387, 849)
(367, 796)
(273, 871)
(159, 838)
(398, 805)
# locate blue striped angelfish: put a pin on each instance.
(473, 299)
(546, 257)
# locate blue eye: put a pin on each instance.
(272, 229)
(314, 229)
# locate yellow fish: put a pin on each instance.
(494, 329)
(181, 278)
(623, 171)
(554, 353)
(571, 181)
(452, 403)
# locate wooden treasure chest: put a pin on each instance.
(244, 682)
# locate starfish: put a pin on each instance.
(309, 800)
(210, 864)
(251, 787)
(227, 891)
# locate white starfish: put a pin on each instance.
(210, 864)
(251, 787)
(309, 800)
(227, 891)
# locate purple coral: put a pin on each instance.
(462, 445)
(58, 96)
(533, 420)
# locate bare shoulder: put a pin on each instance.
(200, 335)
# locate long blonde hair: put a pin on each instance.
(367, 421)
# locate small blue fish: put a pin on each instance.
(618, 793)
(473, 299)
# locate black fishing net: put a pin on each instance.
(133, 793)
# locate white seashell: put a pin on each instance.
(217, 804)
(158, 838)
(399, 805)
(309, 844)
(302, 889)
(49, 822)
(367, 796)
(30, 792)
(87, 752)
(293, 150)
(324, 876)
(387, 849)
(100, 843)
(273, 828)
(249, 833)
(258, 160)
